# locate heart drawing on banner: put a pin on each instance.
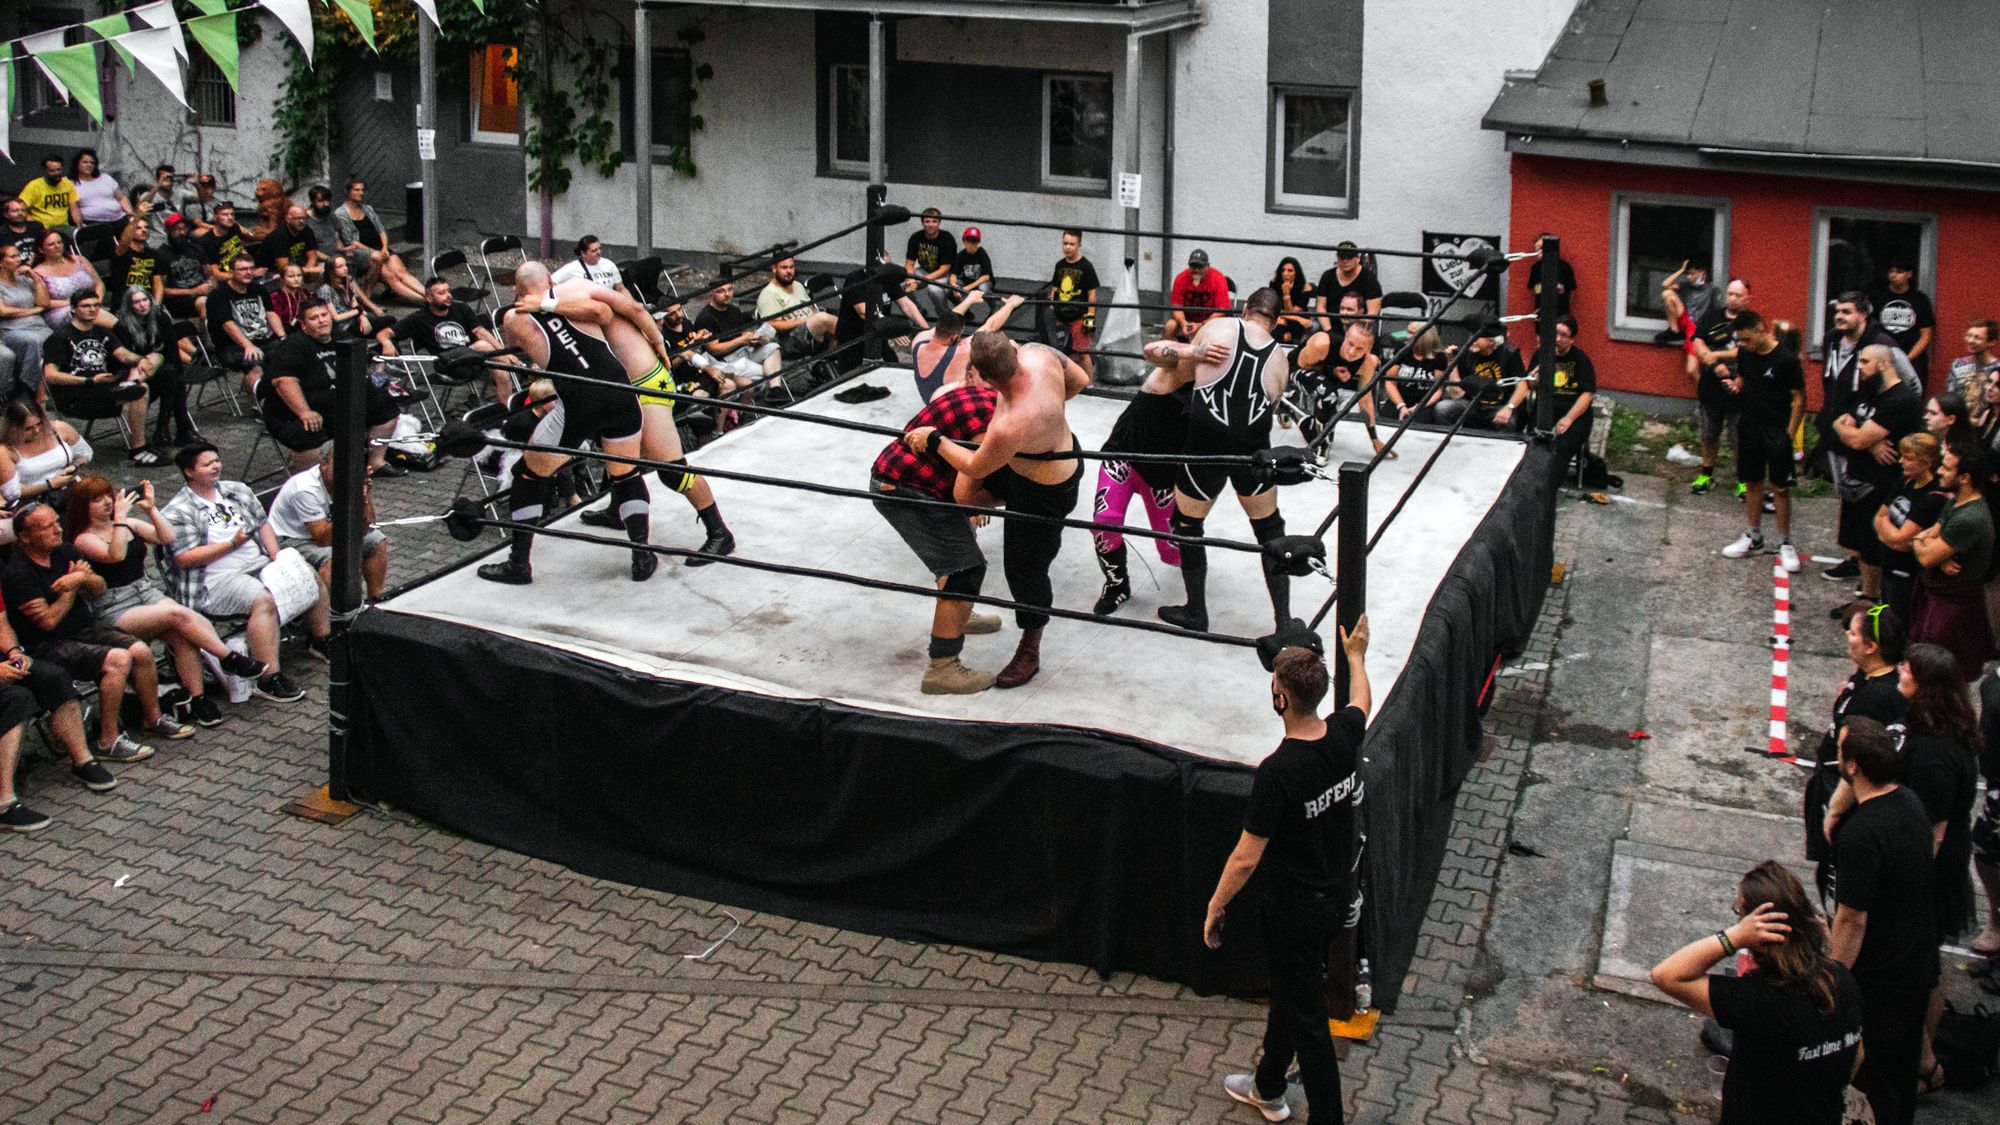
(1455, 272)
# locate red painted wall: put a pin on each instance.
(1771, 232)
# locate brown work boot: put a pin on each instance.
(1027, 661)
(949, 676)
(982, 623)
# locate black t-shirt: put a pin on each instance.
(1481, 375)
(862, 287)
(439, 334)
(284, 243)
(133, 267)
(184, 267)
(1891, 404)
(1717, 329)
(968, 266)
(1418, 376)
(1989, 728)
(26, 239)
(1072, 283)
(1904, 316)
(1921, 504)
(1882, 866)
(1944, 775)
(1333, 289)
(1306, 800)
(930, 253)
(1863, 697)
(725, 322)
(1790, 1064)
(222, 248)
(1768, 383)
(299, 356)
(245, 310)
(1575, 377)
(82, 351)
(23, 581)
(1565, 284)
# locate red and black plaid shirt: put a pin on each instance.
(963, 414)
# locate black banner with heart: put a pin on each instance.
(1443, 276)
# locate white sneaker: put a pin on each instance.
(1748, 543)
(1243, 1087)
(1789, 557)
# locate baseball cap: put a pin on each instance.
(1346, 249)
(971, 234)
(1198, 257)
(1491, 328)
(175, 219)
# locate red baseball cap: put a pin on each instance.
(971, 234)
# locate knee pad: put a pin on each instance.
(1268, 528)
(532, 494)
(628, 488)
(677, 479)
(1190, 526)
(966, 582)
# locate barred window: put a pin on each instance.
(210, 99)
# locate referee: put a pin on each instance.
(1303, 829)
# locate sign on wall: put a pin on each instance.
(1443, 276)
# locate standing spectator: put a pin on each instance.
(971, 275)
(1905, 313)
(1941, 766)
(1950, 605)
(143, 332)
(1565, 282)
(24, 298)
(1574, 387)
(787, 306)
(1946, 419)
(1073, 288)
(1302, 827)
(1295, 302)
(1985, 416)
(302, 515)
(239, 324)
(385, 264)
(18, 230)
(741, 347)
(1914, 506)
(98, 199)
(1348, 274)
(48, 199)
(198, 204)
(1197, 287)
(1884, 920)
(1970, 371)
(1796, 1019)
(590, 265)
(1879, 414)
(90, 373)
(1714, 351)
(1768, 386)
(927, 258)
(1876, 640)
(185, 281)
(64, 274)
(156, 200)
(225, 242)
(1986, 829)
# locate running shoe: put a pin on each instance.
(169, 728)
(278, 688)
(1742, 490)
(1702, 484)
(1788, 556)
(243, 667)
(1243, 1088)
(1748, 543)
(1849, 567)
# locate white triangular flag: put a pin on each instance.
(46, 41)
(6, 100)
(154, 48)
(160, 14)
(430, 9)
(297, 18)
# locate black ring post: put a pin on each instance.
(872, 350)
(350, 474)
(1350, 566)
(1547, 272)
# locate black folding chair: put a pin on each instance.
(472, 292)
(499, 257)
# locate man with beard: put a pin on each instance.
(225, 242)
(450, 331)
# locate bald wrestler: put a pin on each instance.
(1237, 371)
(1034, 383)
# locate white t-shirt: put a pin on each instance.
(604, 273)
(302, 500)
(224, 519)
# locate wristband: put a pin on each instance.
(1723, 937)
(931, 442)
(549, 303)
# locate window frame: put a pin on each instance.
(194, 116)
(1277, 201)
(834, 165)
(682, 58)
(1076, 185)
(1618, 326)
(475, 101)
(1822, 227)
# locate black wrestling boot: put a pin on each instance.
(509, 572)
(1185, 617)
(1117, 581)
(601, 517)
(644, 563)
(719, 542)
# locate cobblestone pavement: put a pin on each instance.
(181, 947)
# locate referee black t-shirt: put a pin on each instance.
(1306, 800)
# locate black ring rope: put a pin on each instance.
(1218, 238)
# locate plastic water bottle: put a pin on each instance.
(1364, 987)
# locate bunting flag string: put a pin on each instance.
(154, 48)
(296, 15)
(160, 15)
(109, 29)
(217, 36)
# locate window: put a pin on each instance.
(36, 100)
(847, 119)
(1853, 249)
(496, 100)
(673, 102)
(210, 99)
(1651, 236)
(1076, 131)
(1312, 148)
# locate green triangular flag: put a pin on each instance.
(481, 5)
(115, 25)
(76, 68)
(211, 7)
(217, 36)
(364, 20)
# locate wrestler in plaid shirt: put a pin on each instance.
(962, 414)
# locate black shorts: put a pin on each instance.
(285, 427)
(1764, 453)
(83, 654)
(46, 687)
(584, 414)
(1206, 437)
(942, 538)
(797, 343)
(1857, 527)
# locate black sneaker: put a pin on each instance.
(716, 545)
(129, 392)
(278, 688)
(94, 776)
(204, 712)
(1113, 595)
(243, 667)
(389, 470)
(601, 517)
(1182, 617)
(1850, 567)
(318, 647)
(18, 817)
(508, 572)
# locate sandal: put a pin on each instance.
(1932, 1080)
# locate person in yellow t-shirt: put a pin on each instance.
(49, 197)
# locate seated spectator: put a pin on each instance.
(1692, 295)
(335, 232)
(144, 332)
(971, 277)
(24, 297)
(286, 299)
(185, 282)
(385, 265)
(290, 243)
(302, 515)
(197, 204)
(692, 367)
(155, 201)
(64, 273)
(1796, 1019)
(1574, 387)
(786, 305)
(1971, 371)
(1946, 419)
(18, 230)
(1881, 410)
(225, 242)
(133, 262)
(1295, 302)
(91, 374)
(48, 589)
(301, 403)
(1414, 386)
(354, 314)
(1481, 378)
(450, 331)
(1349, 275)
(48, 454)
(927, 260)
(741, 347)
(897, 313)
(98, 199)
(222, 544)
(590, 264)
(1198, 287)
(49, 198)
(239, 324)
(28, 688)
(1910, 509)
(112, 531)
(1956, 553)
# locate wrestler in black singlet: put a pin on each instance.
(1230, 415)
(584, 413)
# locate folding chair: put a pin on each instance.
(472, 292)
(643, 279)
(499, 257)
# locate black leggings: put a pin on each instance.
(1296, 935)
(1028, 549)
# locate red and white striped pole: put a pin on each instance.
(1781, 646)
